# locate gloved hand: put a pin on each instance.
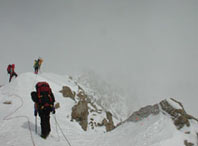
(53, 110)
(35, 112)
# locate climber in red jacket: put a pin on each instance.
(11, 71)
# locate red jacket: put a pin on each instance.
(12, 68)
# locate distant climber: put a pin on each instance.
(37, 65)
(10, 70)
(43, 104)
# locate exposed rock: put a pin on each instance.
(83, 108)
(67, 92)
(81, 93)
(187, 132)
(179, 116)
(107, 123)
(109, 116)
(144, 112)
(168, 108)
(92, 123)
(186, 143)
(100, 124)
(57, 105)
(110, 125)
(7, 102)
(80, 113)
(179, 119)
(104, 121)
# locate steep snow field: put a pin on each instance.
(17, 121)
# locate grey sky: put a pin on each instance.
(148, 46)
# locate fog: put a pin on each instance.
(147, 47)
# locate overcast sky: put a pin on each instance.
(148, 46)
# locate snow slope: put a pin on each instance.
(17, 122)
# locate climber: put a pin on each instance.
(43, 104)
(10, 70)
(37, 65)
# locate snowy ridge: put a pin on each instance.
(17, 121)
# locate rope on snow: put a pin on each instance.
(8, 117)
(61, 131)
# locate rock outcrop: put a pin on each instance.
(85, 110)
(81, 94)
(67, 92)
(7, 102)
(186, 143)
(80, 113)
(57, 105)
(144, 113)
(107, 122)
(179, 116)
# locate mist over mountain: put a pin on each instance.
(139, 53)
(146, 47)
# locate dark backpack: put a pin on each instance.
(45, 97)
(9, 68)
(36, 63)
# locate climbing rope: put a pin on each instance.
(57, 131)
(57, 124)
(8, 117)
(61, 131)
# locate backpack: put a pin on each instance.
(13, 66)
(40, 61)
(36, 63)
(44, 95)
(9, 68)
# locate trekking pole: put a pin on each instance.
(36, 124)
